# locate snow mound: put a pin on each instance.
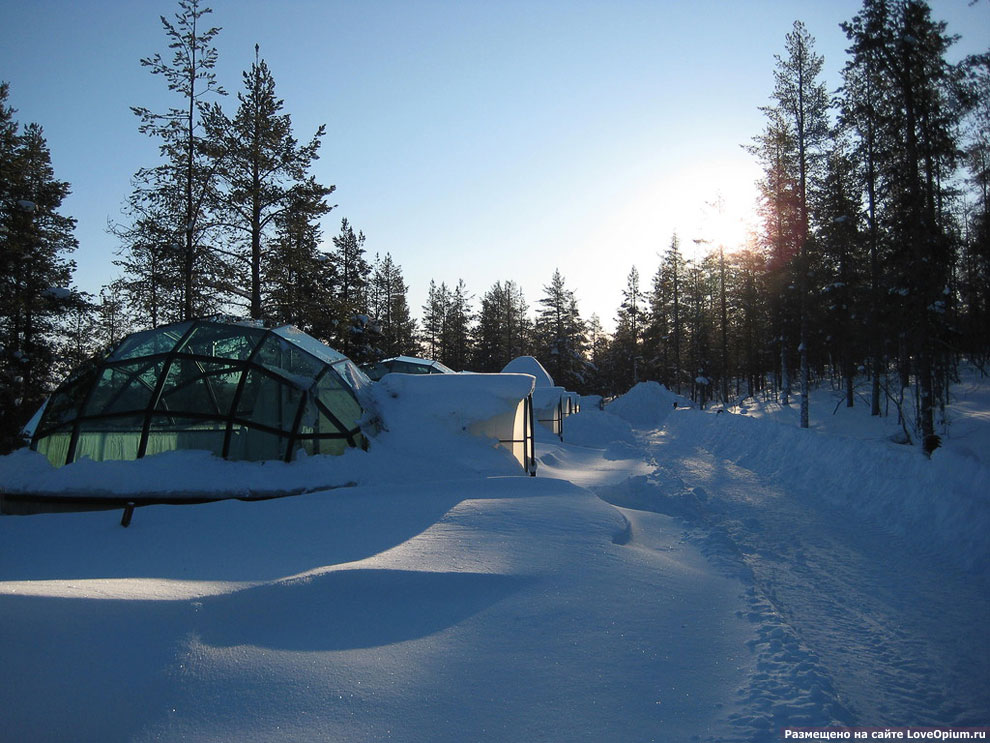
(597, 429)
(529, 365)
(645, 406)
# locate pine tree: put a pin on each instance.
(666, 316)
(861, 112)
(263, 172)
(35, 272)
(919, 99)
(168, 210)
(975, 274)
(839, 241)
(560, 335)
(750, 298)
(781, 227)
(802, 101)
(599, 380)
(630, 323)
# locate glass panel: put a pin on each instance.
(32, 425)
(405, 367)
(288, 361)
(169, 433)
(112, 438)
(199, 386)
(315, 422)
(223, 341)
(339, 400)
(65, 402)
(55, 446)
(377, 371)
(351, 375)
(307, 342)
(125, 388)
(269, 402)
(150, 342)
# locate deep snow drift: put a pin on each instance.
(671, 574)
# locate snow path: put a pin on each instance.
(857, 625)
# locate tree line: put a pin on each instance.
(871, 259)
(872, 256)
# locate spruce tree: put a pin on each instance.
(667, 315)
(398, 324)
(35, 272)
(599, 379)
(298, 277)
(750, 299)
(457, 330)
(630, 323)
(699, 303)
(503, 330)
(560, 334)
(348, 323)
(262, 172)
(388, 304)
(434, 319)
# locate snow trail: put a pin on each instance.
(857, 624)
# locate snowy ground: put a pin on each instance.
(670, 575)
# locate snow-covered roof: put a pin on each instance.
(529, 365)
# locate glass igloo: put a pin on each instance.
(236, 389)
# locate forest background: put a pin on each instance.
(870, 259)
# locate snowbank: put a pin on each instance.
(942, 503)
(175, 474)
(430, 424)
(646, 405)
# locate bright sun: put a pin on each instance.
(719, 201)
(707, 204)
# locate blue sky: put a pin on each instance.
(484, 140)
